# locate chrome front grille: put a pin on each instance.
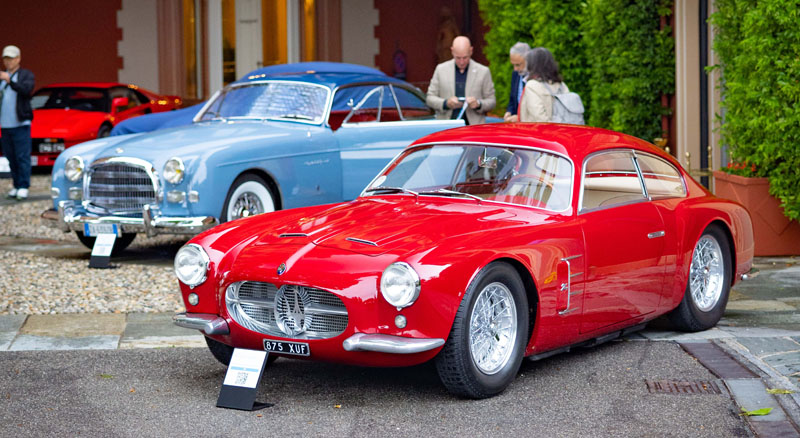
(291, 311)
(121, 187)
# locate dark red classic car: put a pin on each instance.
(475, 247)
(69, 113)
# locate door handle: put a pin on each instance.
(656, 234)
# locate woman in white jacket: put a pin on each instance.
(544, 79)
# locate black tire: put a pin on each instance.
(104, 131)
(690, 315)
(457, 368)
(245, 186)
(119, 244)
(223, 352)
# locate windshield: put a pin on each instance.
(492, 173)
(270, 100)
(82, 99)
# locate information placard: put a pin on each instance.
(101, 251)
(240, 386)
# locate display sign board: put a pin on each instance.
(101, 251)
(240, 386)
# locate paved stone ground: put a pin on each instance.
(760, 330)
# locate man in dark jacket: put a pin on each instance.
(16, 87)
(517, 58)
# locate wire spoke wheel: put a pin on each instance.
(707, 273)
(247, 204)
(493, 328)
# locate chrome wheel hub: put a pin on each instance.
(707, 274)
(248, 204)
(493, 328)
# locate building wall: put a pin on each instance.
(138, 48)
(418, 28)
(359, 44)
(65, 41)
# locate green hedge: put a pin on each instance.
(612, 53)
(758, 47)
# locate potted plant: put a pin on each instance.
(756, 46)
(775, 234)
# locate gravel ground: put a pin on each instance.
(34, 284)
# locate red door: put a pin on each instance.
(624, 260)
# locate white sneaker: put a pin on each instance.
(22, 194)
(12, 193)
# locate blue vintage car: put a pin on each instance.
(281, 137)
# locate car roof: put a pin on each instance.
(330, 74)
(574, 141)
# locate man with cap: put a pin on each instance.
(16, 87)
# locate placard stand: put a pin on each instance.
(101, 251)
(240, 386)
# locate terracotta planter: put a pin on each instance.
(775, 234)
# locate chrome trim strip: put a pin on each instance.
(567, 287)
(293, 235)
(207, 323)
(655, 234)
(390, 343)
(357, 240)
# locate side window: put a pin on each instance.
(412, 106)
(661, 178)
(609, 179)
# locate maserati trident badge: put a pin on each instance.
(281, 268)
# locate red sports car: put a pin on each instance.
(70, 113)
(475, 247)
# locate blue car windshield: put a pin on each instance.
(270, 100)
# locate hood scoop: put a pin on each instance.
(364, 241)
(282, 235)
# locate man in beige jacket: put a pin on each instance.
(461, 81)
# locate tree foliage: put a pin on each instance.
(758, 47)
(614, 54)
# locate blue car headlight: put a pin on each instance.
(73, 168)
(174, 170)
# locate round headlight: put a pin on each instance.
(191, 264)
(174, 170)
(400, 284)
(73, 168)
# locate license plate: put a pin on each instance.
(49, 148)
(283, 347)
(92, 230)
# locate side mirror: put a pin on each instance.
(118, 102)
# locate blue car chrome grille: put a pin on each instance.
(291, 311)
(120, 188)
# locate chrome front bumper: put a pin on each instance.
(69, 218)
(207, 323)
(389, 344)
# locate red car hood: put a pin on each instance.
(65, 123)
(376, 225)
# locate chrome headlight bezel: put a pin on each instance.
(400, 285)
(195, 258)
(73, 168)
(174, 170)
